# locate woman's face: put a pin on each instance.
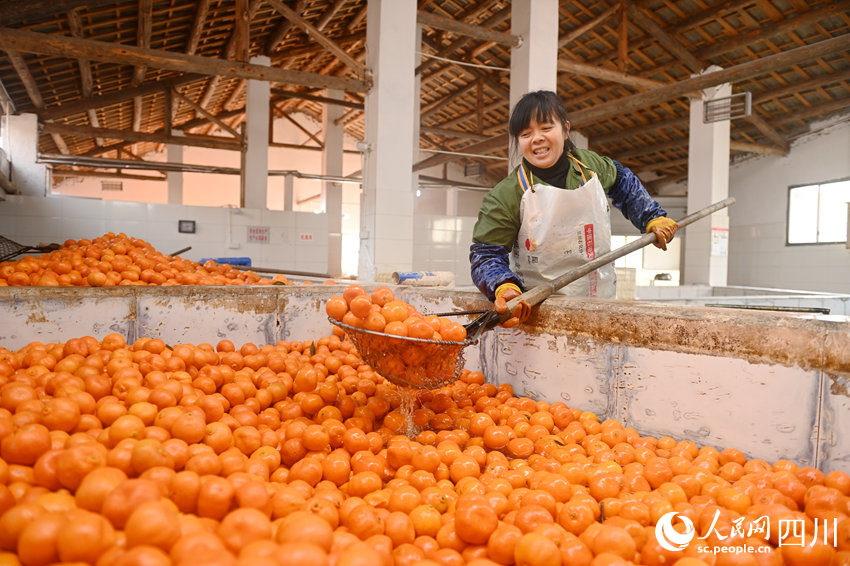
(542, 143)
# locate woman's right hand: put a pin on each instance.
(504, 293)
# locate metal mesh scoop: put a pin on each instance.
(409, 362)
(10, 249)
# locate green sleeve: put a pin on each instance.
(499, 217)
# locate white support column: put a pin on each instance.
(386, 211)
(28, 176)
(534, 63)
(255, 170)
(706, 243)
(332, 165)
(174, 179)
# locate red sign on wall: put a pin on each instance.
(259, 234)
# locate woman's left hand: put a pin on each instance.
(520, 312)
(664, 229)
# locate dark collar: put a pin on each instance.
(555, 175)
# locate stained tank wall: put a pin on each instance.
(773, 385)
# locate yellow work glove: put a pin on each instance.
(664, 229)
(504, 293)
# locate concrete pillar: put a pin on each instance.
(534, 63)
(174, 179)
(28, 177)
(332, 165)
(255, 158)
(706, 242)
(386, 209)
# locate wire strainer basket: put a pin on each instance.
(10, 249)
(408, 362)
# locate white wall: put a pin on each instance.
(297, 240)
(758, 256)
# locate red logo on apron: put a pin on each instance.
(588, 241)
(590, 250)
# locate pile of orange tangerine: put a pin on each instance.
(291, 454)
(112, 259)
(380, 311)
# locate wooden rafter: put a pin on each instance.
(623, 40)
(307, 132)
(645, 22)
(329, 14)
(604, 74)
(580, 31)
(743, 71)
(740, 72)
(459, 43)
(59, 46)
(320, 99)
(103, 100)
(86, 82)
(241, 38)
(282, 29)
(210, 116)
(462, 28)
(804, 19)
(290, 14)
(201, 9)
(33, 92)
(213, 142)
(143, 40)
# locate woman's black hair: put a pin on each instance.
(541, 106)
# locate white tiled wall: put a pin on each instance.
(298, 240)
(441, 243)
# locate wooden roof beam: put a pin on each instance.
(280, 32)
(743, 71)
(807, 18)
(329, 14)
(470, 30)
(201, 9)
(12, 13)
(103, 100)
(210, 116)
(33, 92)
(143, 40)
(740, 72)
(604, 74)
(756, 148)
(647, 24)
(453, 133)
(580, 31)
(62, 172)
(75, 24)
(460, 42)
(290, 14)
(320, 99)
(682, 121)
(213, 142)
(62, 46)
(695, 65)
(236, 45)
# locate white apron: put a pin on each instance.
(562, 230)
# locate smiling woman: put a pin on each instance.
(551, 213)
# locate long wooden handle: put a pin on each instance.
(538, 294)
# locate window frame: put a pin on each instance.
(819, 184)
